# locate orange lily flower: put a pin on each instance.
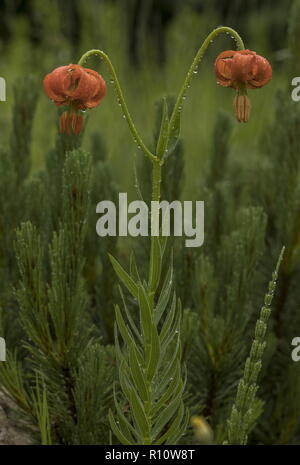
(77, 87)
(242, 70)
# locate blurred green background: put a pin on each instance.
(151, 44)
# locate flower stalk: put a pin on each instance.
(121, 100)
(152, 391)
(194, 66)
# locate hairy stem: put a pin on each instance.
(156, 185)
(120, 96)
(182, 92)
(198, 57)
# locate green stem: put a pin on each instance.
(156, 180)
(156, 184)
(182, 92)
(198, 57)
(120, 96)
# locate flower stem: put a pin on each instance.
(156, 184)
(156, 180)
(120, 96)
(196, 62)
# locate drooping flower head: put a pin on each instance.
(77, 87)
(242, 70)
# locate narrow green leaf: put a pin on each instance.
(175, 329)
(167, 375)
(146, 314)
(154, 357)
(179, 430)
(130, 432)
(163, 242)
(174, 426)
(164, 132)
(122, 438)
(119, 355)
(168, 321)
(174, 133)
(136, 181)
(164, 295)
(137, 375)
(123, 328)
(155, 264)
(124, 381)
(133, 269)
(139, 414)
(167, 414)
(167, 392)
(130, 320)
(124, 277)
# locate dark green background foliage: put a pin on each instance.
(58, 288)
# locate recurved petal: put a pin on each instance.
(95, 99)
(71, 79)
(52, 84)
(243, 65)
(262, 73)
(226, 82)
(223, 65)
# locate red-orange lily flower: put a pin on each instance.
(242, 70)
(77, 87)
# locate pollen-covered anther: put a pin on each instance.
(242, 108)
(70, 122)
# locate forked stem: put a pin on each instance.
(194, 66)
(120, 96)
(182, 92)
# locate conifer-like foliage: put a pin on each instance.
(124, 341)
